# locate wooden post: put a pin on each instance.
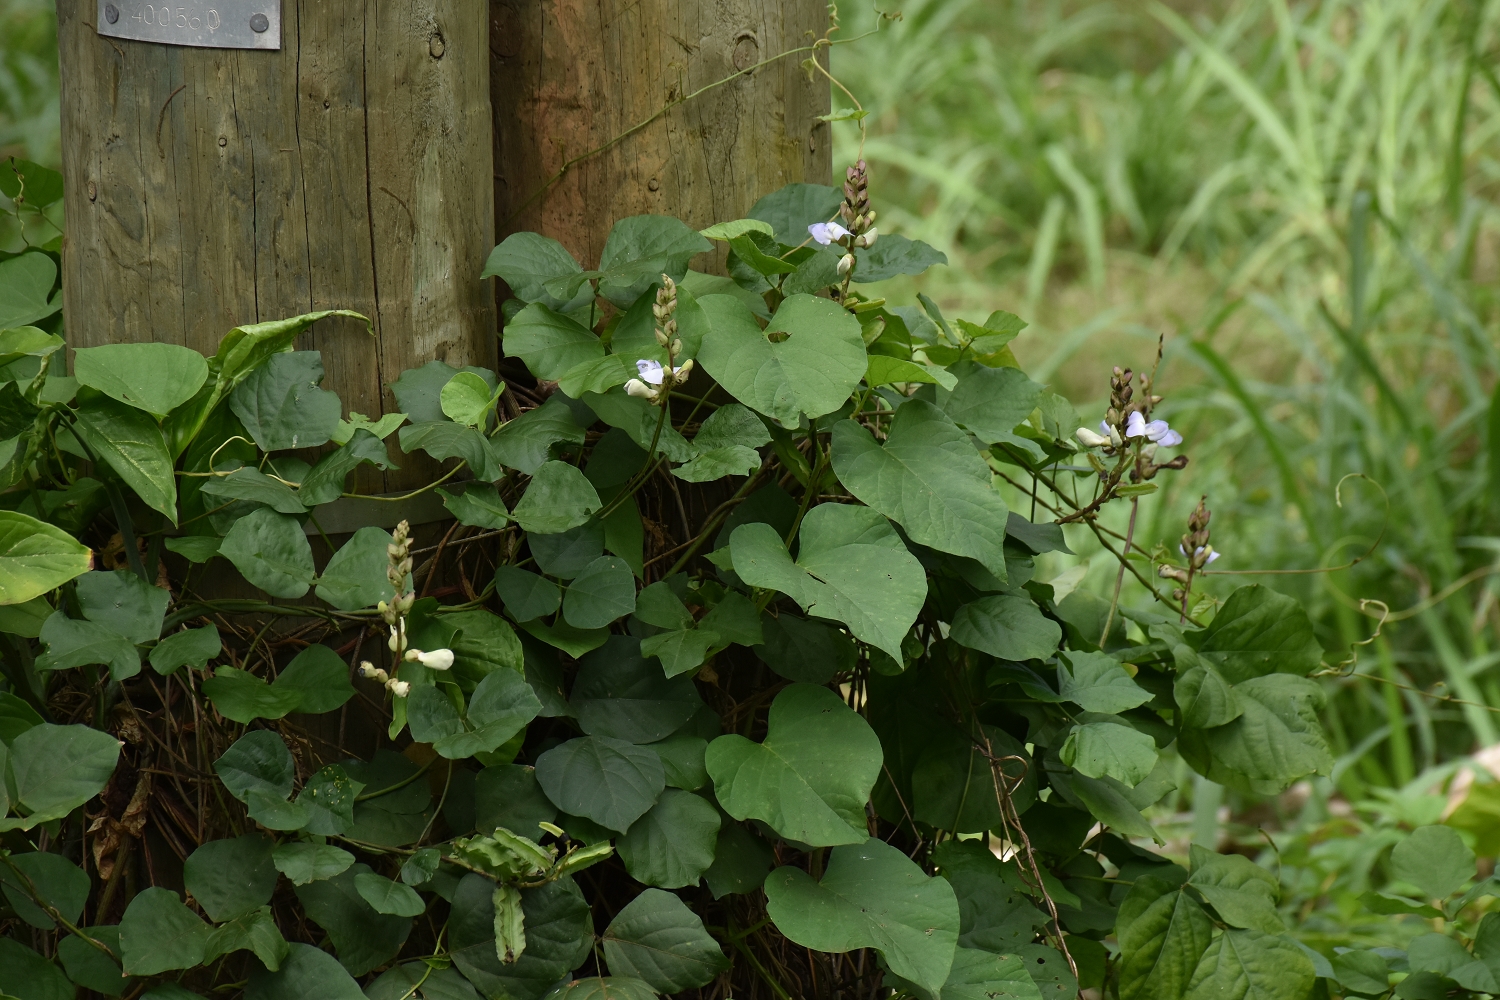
(207, 188)
(569, 76)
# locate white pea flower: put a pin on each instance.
(826, 232)
(438, 659)
(1212, 555)
(635, 387)
(1156, 431)
(1090, 439)
(399, 688)
(868, 239)
(846, 262)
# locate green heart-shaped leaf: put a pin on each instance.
(811, 777)
(928, 478)
(872, 896)
(658, 939)
(806, 361)
(852, 567)
(156, 378)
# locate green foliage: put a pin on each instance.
(564, 681)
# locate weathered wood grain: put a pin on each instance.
(570, 75)
(206, 188)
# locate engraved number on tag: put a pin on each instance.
(179, 17)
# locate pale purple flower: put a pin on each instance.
(650, 370)
(1212, 555)
(1156, 431)
(654, 372)
(826, 232)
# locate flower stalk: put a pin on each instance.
(394, 612)
(657, 380)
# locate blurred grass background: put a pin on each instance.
(28, 81)
(1302, 199)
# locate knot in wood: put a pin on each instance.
(746, 50)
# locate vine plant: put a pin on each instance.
(730, 677)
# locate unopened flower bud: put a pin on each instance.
(1090, 439)
(635, 387)
(846, 263)
(676, 347)
(399, 688)
(661, 337)
(438, 659)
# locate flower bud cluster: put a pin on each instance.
(1127, 419)
(657, 380)
(856, 212)
(398, 688)
(1112, 429)
(394, 612)
(858, 228)
(1195, 548)
(399, 553)
(664, 310)
(1196, 539)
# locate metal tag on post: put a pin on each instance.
(214, 24)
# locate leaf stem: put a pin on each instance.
(714, 520)
(49, 909)
(127, 529)
(639, 479)
(1114, 601)
(814, 478)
